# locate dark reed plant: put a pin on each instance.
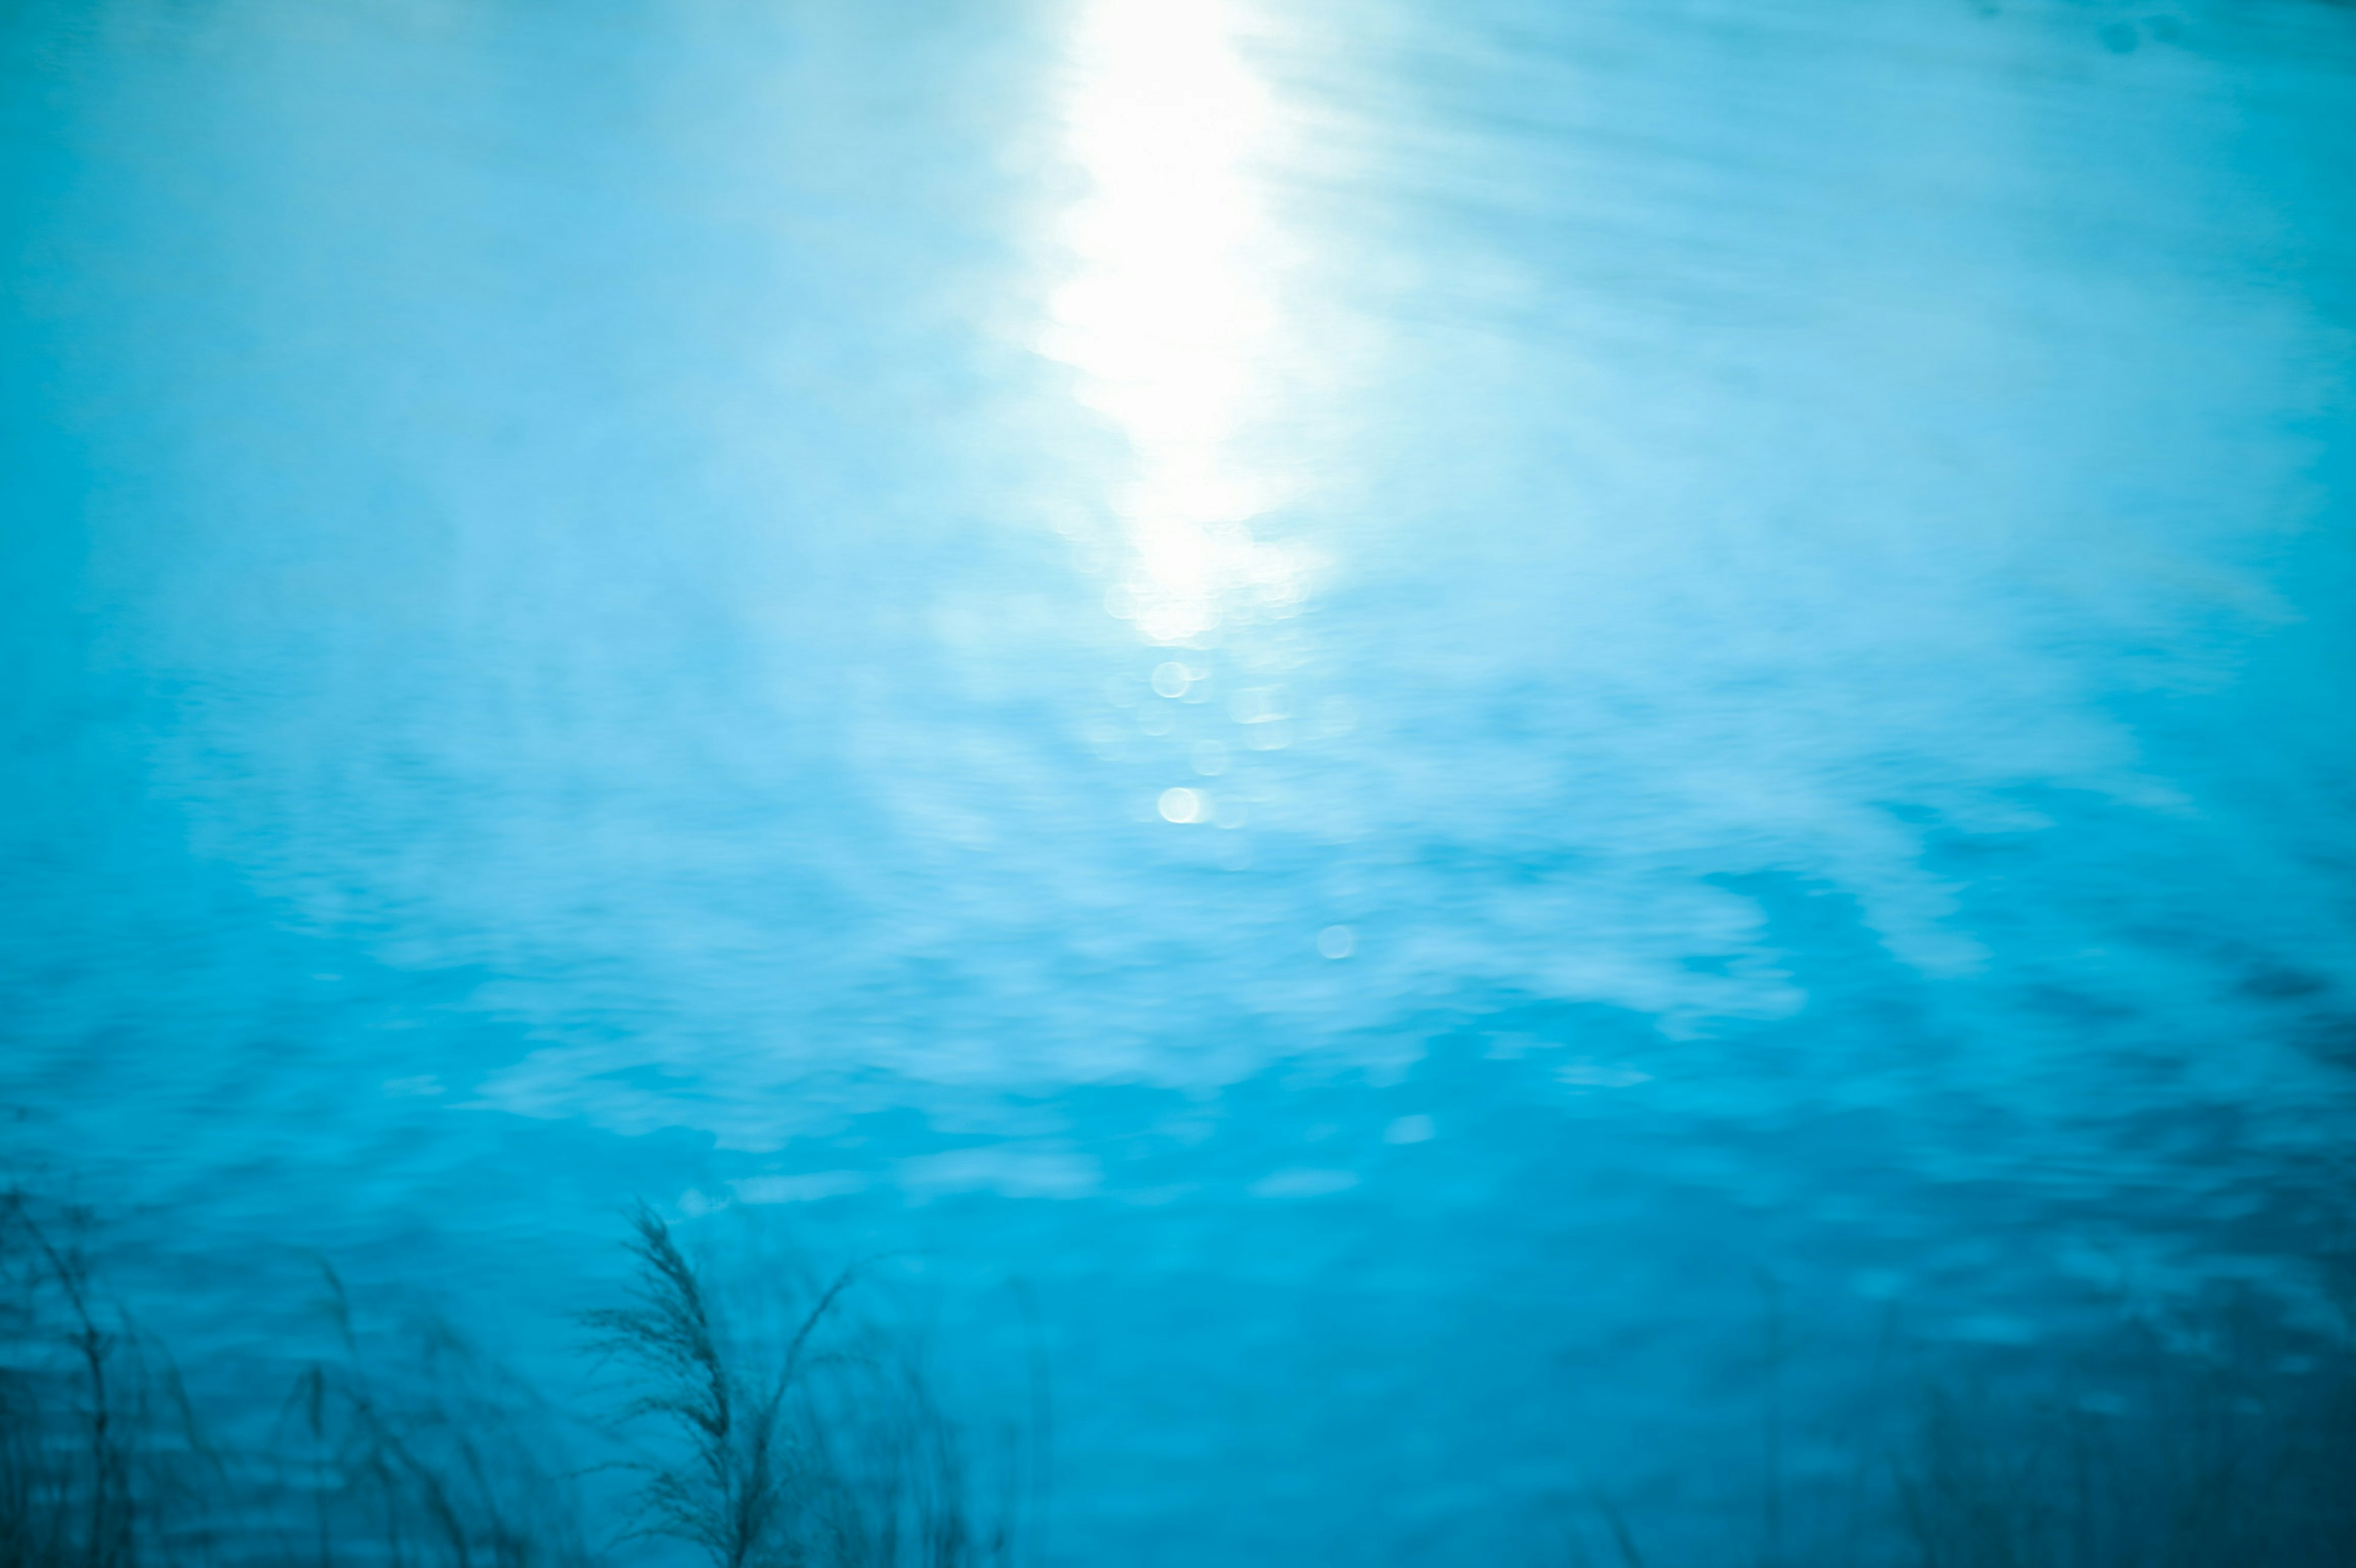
(429, 1465)
(2213, 1434)
(104, 1463)
(825, 1451)
(85, 1475)
(2219, 1436)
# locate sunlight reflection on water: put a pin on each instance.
(1171, 313)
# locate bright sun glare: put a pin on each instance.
(1168, 315)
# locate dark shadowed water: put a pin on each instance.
(1491, 729)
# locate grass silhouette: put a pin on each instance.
(2214, 1433)
(105, 1463)
(2208, 1436)
(834, 1455)
(74, 1398)
(791, 1427)
(831, 1453)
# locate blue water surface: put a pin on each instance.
(1480, 727)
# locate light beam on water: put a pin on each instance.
(1171, 315)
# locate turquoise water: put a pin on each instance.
(1484, 728)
